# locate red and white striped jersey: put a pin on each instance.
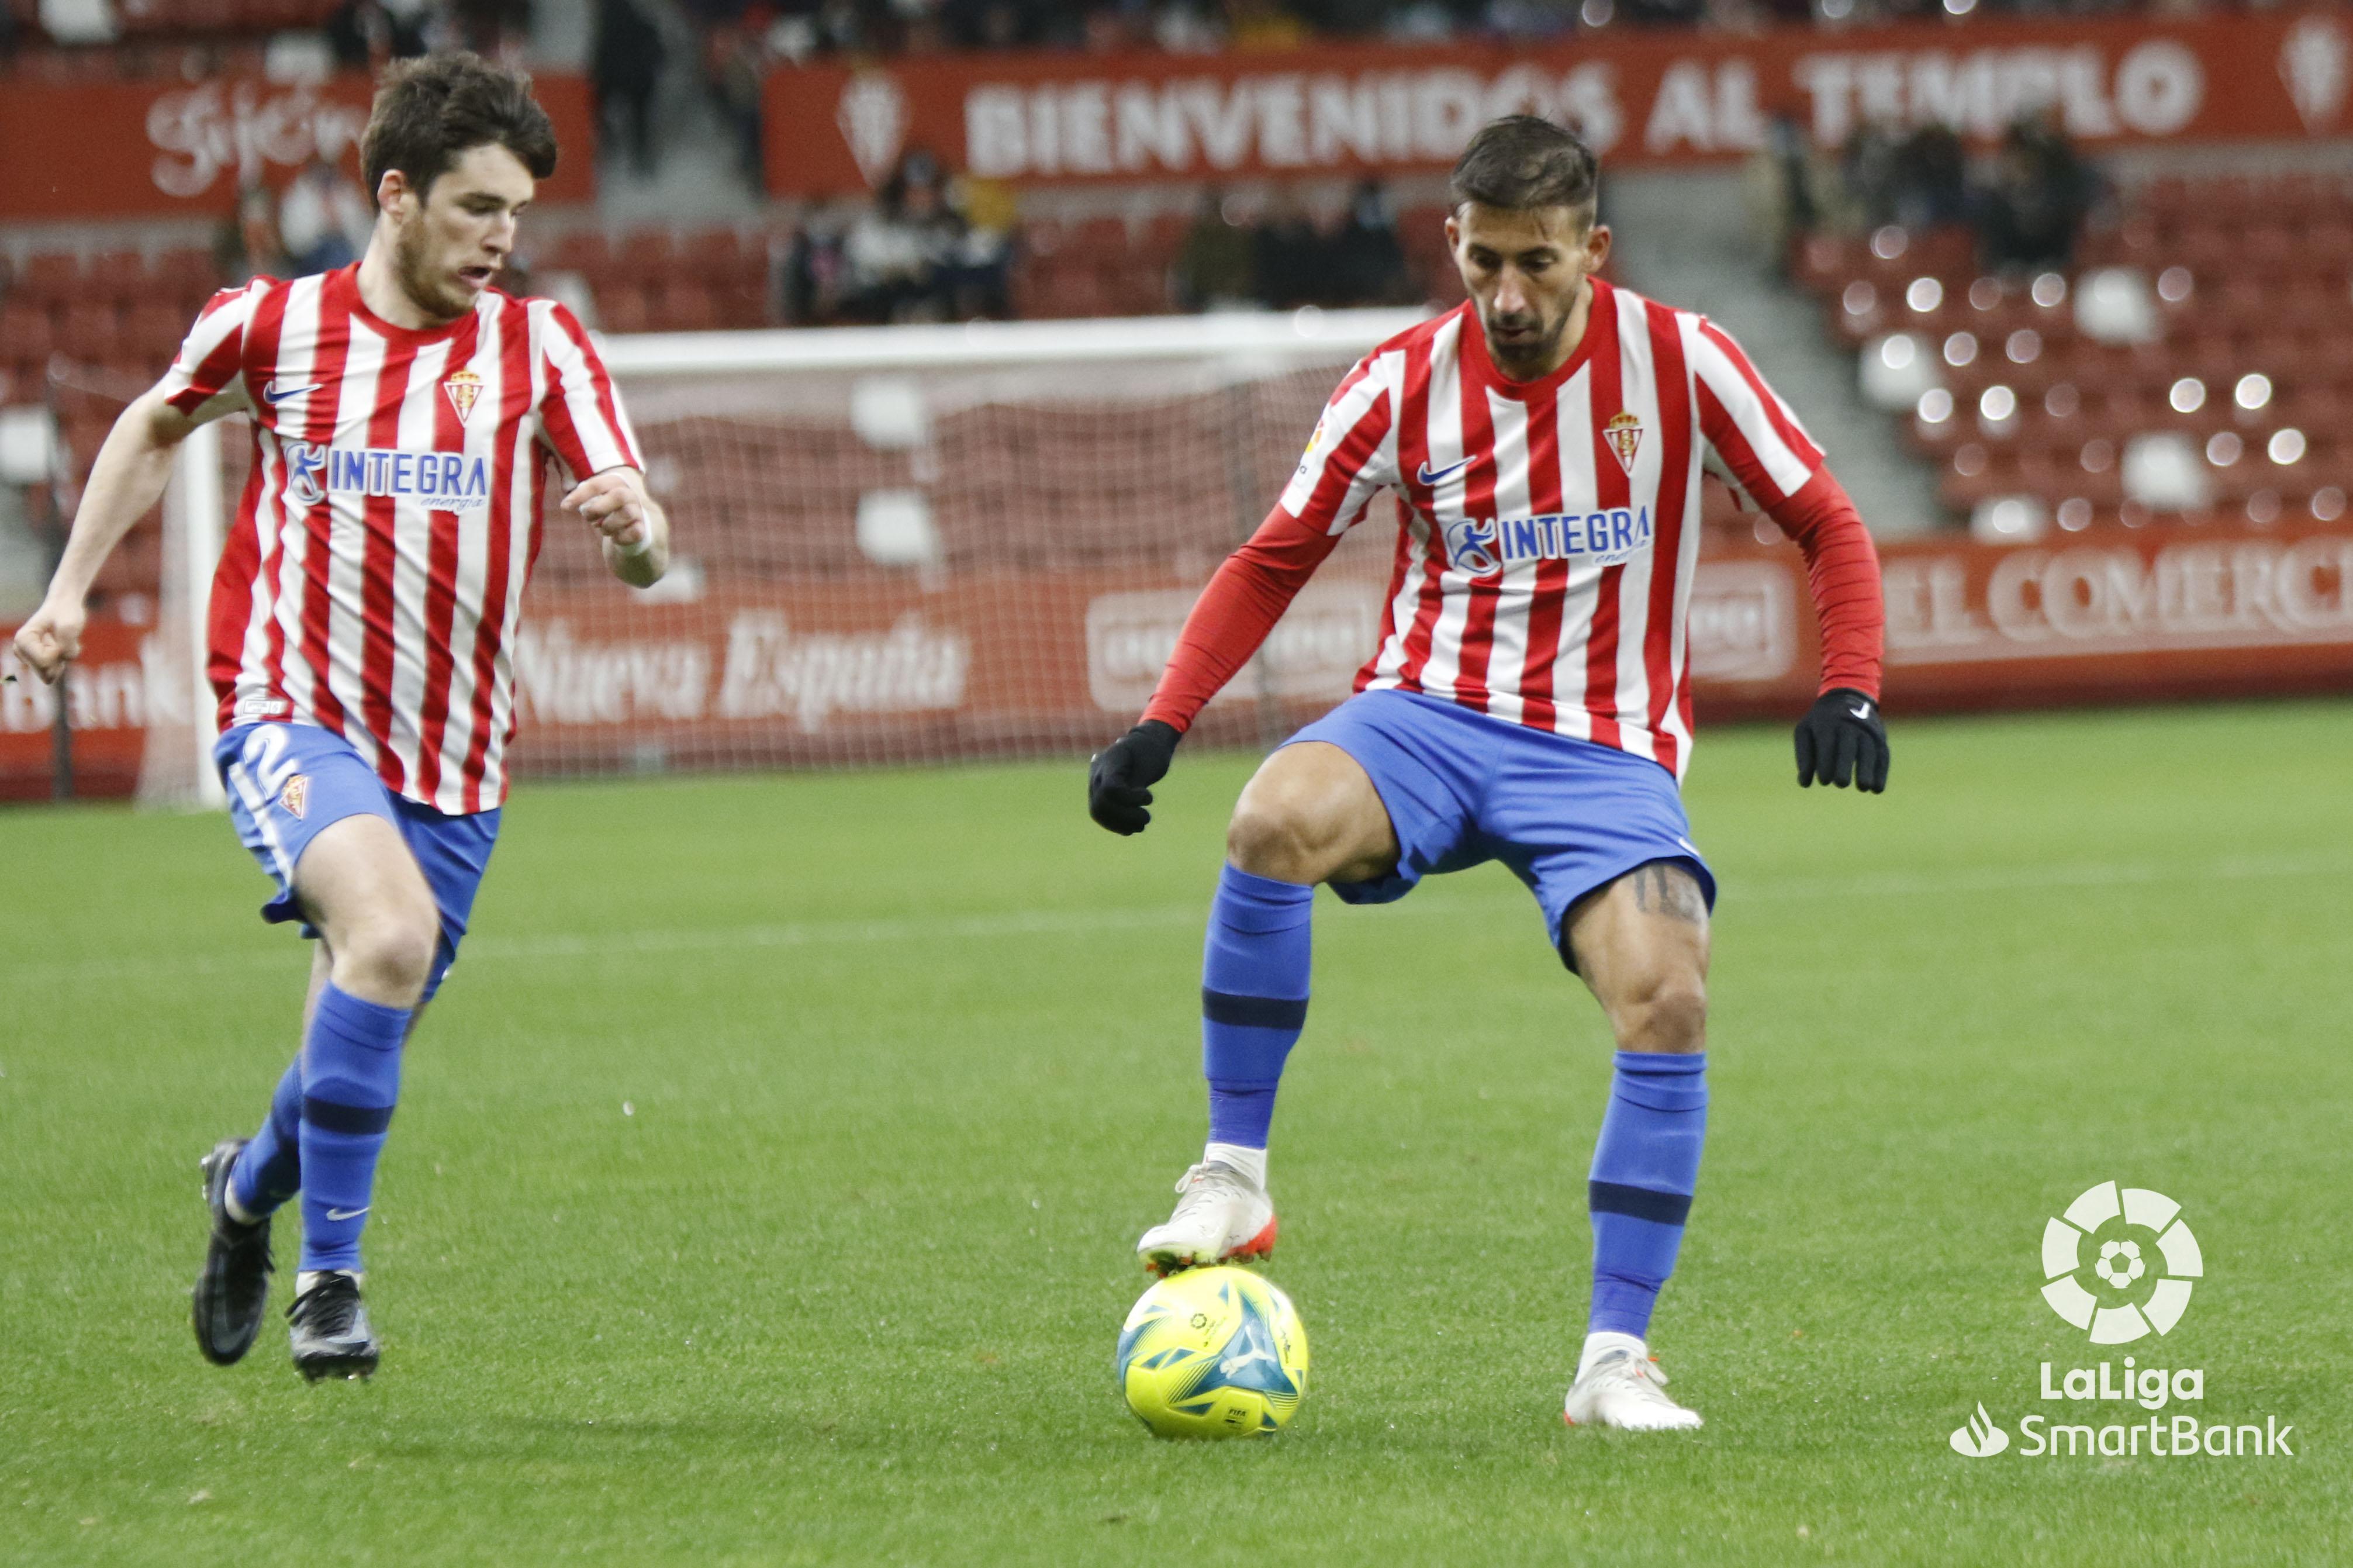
(372, 581)
(1551, 528)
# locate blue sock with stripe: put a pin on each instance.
(1645, 1168)
(351, 1079)
(268, 1169)
(1253, 998)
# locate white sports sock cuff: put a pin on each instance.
(1598, 1345)
(1250, 1163)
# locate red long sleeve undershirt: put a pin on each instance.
(1257, 582)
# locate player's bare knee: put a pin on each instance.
(388, 955)
(1267, 839)
(1666, 1011)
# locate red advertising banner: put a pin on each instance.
(152, 149)
(2117, 617)
(889, 668)
(106, 703)
(1641, 97)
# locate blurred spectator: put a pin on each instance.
(367, 35)
(1215, 265)
(991, 24)
(978, 278)
(1793, 190)
(1929, 179)
(624, 66)
(896, 254)
(1262, 24)
(496, 29)
(1183, 27)
(1866, 171)
(1287, 261)
(812, 275)
(1365, 265)
(248, 244)
(323, 219)
(736, 61)
(2040, 192)
(1917, 180)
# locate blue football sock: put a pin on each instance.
(1645, 1168)
(351, 1078)
(1253, 998)
(268, 1169)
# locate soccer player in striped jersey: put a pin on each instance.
(1529, 701)
(363, 627)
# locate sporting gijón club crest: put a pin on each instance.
(1625, 433)
(463, 387)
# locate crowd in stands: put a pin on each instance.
(2025, 206)
(740, 40)
(97, 39)
(930, 248)
(1234, 257)
(926, 249)
(800, 29)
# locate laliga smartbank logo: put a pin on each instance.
(2119, 1263)
(2113, 1237)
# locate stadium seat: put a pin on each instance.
(645, 259)
(47, 277)
(90, 331)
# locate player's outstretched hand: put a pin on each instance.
(614, 503)
(1841, 739)
(1120, 778)
(49, 641)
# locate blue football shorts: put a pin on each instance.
(1462, 788)
(288, 782)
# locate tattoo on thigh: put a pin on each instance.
(1662, 887)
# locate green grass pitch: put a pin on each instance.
(765, 1180)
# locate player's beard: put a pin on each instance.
(427, 288)
(1529, 358)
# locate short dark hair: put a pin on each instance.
(432, 109)
(1524, 161)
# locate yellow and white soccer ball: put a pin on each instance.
(1213, 1353)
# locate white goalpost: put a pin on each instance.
(893, 545)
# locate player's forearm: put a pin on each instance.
(644, 567)
(1842, 571)
(133, 466)
(1235, 612)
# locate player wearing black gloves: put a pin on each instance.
(1839, 737)
(1121, 777)
(1840, 740)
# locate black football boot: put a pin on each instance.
(234, 1288)
(331, 1332)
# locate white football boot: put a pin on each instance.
(1222, 1216)
(1622, 1386)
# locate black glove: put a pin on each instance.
(1120, 778)
(1840, 738)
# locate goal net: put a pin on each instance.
(911, 544)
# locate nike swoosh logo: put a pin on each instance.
(1861, 711)
(347, 1214)
(274, 393)
(1440, 476)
